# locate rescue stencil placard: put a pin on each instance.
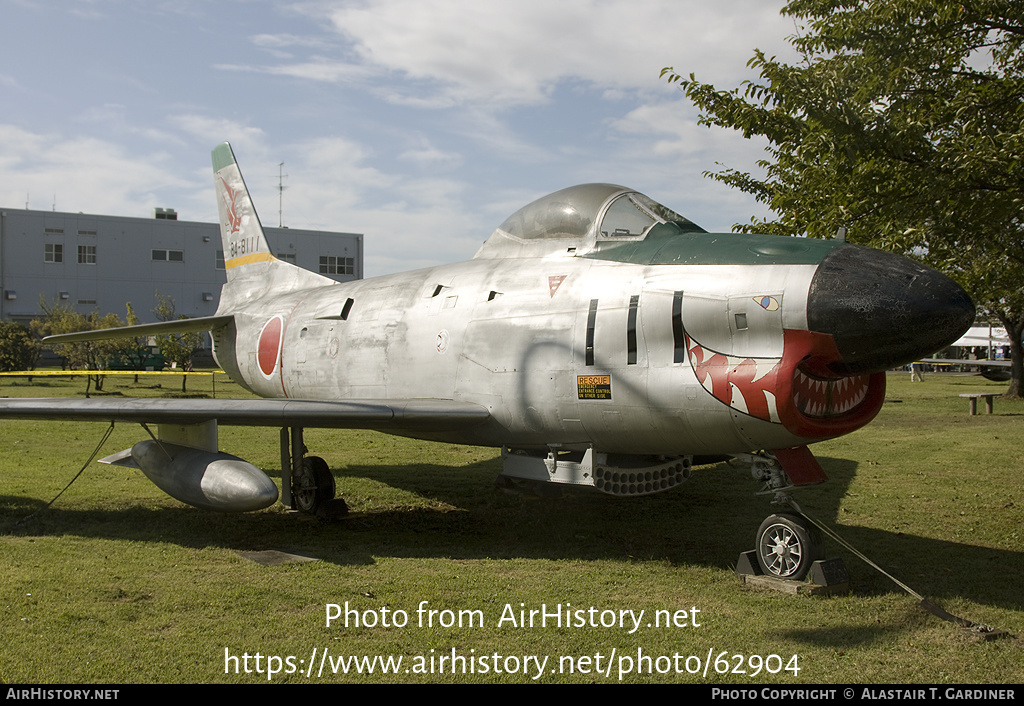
(594, 387)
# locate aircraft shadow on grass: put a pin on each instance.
(708, 522)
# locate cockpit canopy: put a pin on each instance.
(578, 219)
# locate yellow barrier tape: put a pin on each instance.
(64, 373)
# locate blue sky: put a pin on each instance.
(421, 123)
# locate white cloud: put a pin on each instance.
(506, 53)
(317, 69)
(282, 41)
(80, 174)
(422, 124)
(426, 156)
(213, 131)
(9, 82)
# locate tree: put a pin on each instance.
(19, 349)
(904, 123)
(134, 353)
(86, 355)
(177, 348)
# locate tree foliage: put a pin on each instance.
(135, 353)
(177, 348)
(902, 122)
(19, 349)
(58, 318)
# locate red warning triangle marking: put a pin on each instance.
(554, 282)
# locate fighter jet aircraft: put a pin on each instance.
(597, 337)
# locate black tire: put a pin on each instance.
(313, 485)
(787, 546)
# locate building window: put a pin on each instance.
(219, 264)
(86, 254)
(330, 265)
(87, 232)
(169, 255)
(53, 252)
(286, 257)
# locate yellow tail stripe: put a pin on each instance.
(248, 259)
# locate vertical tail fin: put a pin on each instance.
(240, 230)
(251, 268)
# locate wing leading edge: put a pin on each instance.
(204, 323)
(385, 415)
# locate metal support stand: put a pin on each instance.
(286, 469)
(292, 451)
(298, 451)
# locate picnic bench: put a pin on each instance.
(973, 399)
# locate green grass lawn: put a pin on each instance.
(116, 582)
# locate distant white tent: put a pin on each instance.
(992, 337)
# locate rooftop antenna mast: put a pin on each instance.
(280, 194)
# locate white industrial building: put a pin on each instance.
(98, 263)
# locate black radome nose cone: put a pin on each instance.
(884, 310)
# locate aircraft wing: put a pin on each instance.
(980, 363)
(204, 323)
(994, 370)
(385, 415)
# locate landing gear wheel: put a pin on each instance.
(787, 546)
(313, 485)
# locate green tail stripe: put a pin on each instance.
(222, 156)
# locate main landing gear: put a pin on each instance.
(312, 485)
(306, 481)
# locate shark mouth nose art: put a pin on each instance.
(797, 390)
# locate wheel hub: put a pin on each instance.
(783, 551)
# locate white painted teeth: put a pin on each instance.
(828, 398)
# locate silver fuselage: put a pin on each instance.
(511, 335)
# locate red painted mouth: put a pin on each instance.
(796, 390)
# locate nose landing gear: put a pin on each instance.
(787, 546)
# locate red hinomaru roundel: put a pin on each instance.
(269, 348)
